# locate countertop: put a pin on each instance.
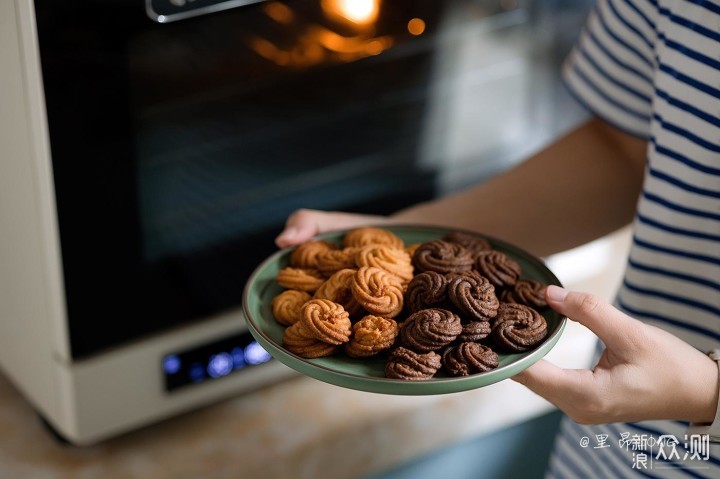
(303, 428)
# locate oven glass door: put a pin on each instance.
(184, 133)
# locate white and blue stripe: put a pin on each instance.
(652, 69)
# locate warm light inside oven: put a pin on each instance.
(359, 12)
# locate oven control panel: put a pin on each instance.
(212, 361)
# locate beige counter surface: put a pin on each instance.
(300, 428)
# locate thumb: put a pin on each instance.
(611, 325)
(299, 227)
(557, 385)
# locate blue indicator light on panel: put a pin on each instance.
(255, 354)
(197, 372)
(220, 364)
(238, 357)
(171, 364)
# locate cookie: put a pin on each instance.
(370, 235)
(326, 321)
(287, 306)
(409, 365)
(300, 279)
(371, 335)
(332, 261)
(395, 261)
(337, 288)
(529, 292)
(499, 268)
(443, 257)
(474, 243)
(378, 291)
(475, 331)
(426, 290)
(298, 340)
(473, 295)
(306, 254)
(430, 329)
(469, 358)
(518, 328)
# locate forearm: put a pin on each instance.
(581, 187)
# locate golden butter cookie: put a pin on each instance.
(395, 261)
(305, 255)
(371, 335)
(369, 235)
(298, 340)
(326, 321)
(330, 262)
(287, 306)
(338, 288)
(378, 291)
(299, 278)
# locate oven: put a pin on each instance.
(151, 151)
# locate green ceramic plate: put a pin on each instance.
(368, 374)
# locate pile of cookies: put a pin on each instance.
(450, 303)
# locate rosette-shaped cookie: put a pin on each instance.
(469, 358)
(518, 327)
(326, 321)
(338, 288)
(529, 292)
(332, 261)
(473, 243)
(306, 254)
(378, 291)
(298, 340)
(395, 261)
(499, 268)
(287, 306)
(426, 290)
(430, 329)
(475, 331)
(409, 365)
(299, 278)
(443, 257)
(369, 235)
(473, 295)
(371, 335)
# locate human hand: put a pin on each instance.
(644, 373)
(303, 224)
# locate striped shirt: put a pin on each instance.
(652, 69)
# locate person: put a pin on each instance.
(649, 72)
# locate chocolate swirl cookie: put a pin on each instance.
(518, 327)
(409, 365)
(499, 268)
(378, 291)
(443, 257)
(473, 295)
(430, 329)
(473, 243)
(426, 290)
(371, 335)
(475, 331)
(326, 321)
(469, 358)
(529, 292)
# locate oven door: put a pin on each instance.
(184, 132)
